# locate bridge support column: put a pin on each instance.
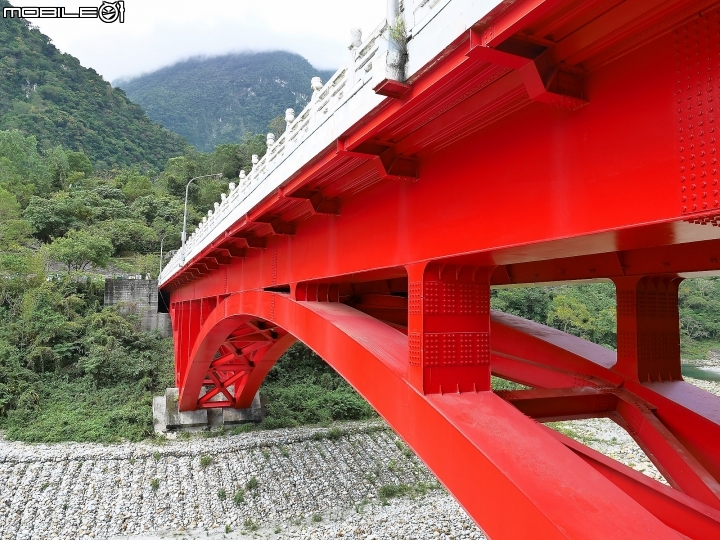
(186, 322)
(648, 328)
(448, 328)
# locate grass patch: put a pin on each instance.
(498, 383)
(251, 484)
(80, 411)
(392, 491)
(155, 484)
(569, 431)
(239, 497)
(206, 461)
(243, 428)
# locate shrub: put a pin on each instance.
(302, 389)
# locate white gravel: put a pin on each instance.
(309, 486)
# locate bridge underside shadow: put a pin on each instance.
(505, 468)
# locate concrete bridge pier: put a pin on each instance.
(167, 417)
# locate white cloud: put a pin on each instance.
(157, 33)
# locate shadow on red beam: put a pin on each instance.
(675, 509)
(553, 404)
(536, 375)
(692, 257)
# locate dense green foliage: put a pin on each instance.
(588, 311)
(57, 198)
(77, 194)
(73, 370)
(69, 368)
(48, 94)
(302, 389)
(218, 100)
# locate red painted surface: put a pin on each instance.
(556, 141)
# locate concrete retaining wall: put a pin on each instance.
(139, 296)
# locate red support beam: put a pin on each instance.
(648, 328)
(680, 512)
(449, 328)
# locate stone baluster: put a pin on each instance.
(270, 141)
(231, 185)
(355, 43)
(316, 85)
(289, 119)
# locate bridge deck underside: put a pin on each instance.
(557, 141)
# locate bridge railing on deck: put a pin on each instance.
(334, 107)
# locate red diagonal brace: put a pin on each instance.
(679, 511)
(669, 455)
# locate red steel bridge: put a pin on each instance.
(503, 144)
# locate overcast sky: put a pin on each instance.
(158, 33)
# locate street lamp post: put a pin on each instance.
(187, 187)
(161, 246)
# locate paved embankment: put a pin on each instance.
(311, 483)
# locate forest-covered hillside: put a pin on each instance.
(49, 95)
(218, 100)
(77, 197)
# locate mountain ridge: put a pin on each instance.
(219, 99)
(49, 94)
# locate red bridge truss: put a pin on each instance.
(552, 141)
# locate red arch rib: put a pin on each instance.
(513, 477)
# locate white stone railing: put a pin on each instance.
(334, 107)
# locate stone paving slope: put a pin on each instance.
(93, 491)
(78, 490)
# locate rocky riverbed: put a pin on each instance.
(300, 483)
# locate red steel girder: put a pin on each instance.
(542, 195)
(530, 474)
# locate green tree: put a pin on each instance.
(570, 315)
(9, 207)
(55, 216)
(79, 162)
(137, 186)
(127, 235)
(277, 126)
(79, 249)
